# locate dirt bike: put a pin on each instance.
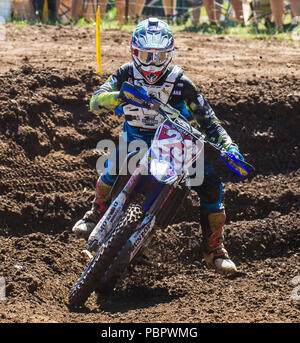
(144, 200)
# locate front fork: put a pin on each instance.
(113, 213)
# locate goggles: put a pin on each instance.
(153, 57)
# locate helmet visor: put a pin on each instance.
(153, 57)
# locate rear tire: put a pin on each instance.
(98, 273)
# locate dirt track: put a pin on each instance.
(47, 177)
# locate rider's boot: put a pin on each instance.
(84, 227)
(215, 254)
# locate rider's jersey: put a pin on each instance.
(174, 88)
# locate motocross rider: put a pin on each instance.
(152, 49)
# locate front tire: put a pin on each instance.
(98, 274)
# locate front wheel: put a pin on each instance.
(99, 274)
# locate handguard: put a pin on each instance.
(135, 95)
(240, 167)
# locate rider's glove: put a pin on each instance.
(233, 149)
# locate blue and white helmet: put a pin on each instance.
(152, 47)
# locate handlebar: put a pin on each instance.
(133, 95)
(241, 168)
(173, 115)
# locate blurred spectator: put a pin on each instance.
(19, 9)
(121, 11)
(214, 13)
(196, 16)
(238, 10)
(135, 8)
(52, 10)
(169, 7)
(295, 8)
(77, 8)
(38, 6)
(103, 6)
(277, 7)
(139, 6)
(89, 10)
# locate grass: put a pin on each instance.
(229, 29)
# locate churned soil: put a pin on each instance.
(48, 173)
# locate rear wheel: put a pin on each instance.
(103, 272)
